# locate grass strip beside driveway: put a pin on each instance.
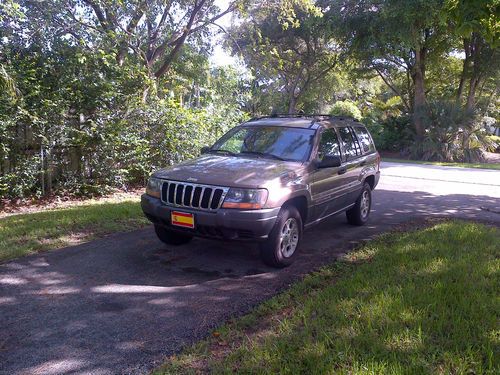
(495, 166)
(34, 232)
(417, 302)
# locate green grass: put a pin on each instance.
(423, 302)
(34, 232)
(495, 166)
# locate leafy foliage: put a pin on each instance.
(96, 94)
(453, 135)
(286, 60)
(346, 108)
(80, 125)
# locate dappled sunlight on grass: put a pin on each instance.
(418, 302)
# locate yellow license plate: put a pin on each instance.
(182, 219)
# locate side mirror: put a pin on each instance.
(330, 161)
(205, 149)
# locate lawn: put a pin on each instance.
(495, 166)
(34, 232)
(422, 302)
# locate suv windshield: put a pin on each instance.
(274, 142)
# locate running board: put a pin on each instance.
(327, 216)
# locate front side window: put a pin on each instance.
(277, 142)
(329, 144)
(364, 139)
(351, 146)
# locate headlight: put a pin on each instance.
(154, 187)
(247, 199)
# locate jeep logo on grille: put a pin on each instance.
(192, 179)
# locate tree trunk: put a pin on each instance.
(292, 88)
(465, 70)
(48, 190)
(475, 47)
(419, 101)
(292, 104)
(471, 96)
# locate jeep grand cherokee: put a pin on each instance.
(267, 180)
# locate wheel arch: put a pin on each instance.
(300, 202)
(371, 181)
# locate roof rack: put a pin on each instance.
(315, 116)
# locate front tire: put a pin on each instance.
(171, 238)
(281, 248)
(358, 215)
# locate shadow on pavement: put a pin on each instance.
(121, 304)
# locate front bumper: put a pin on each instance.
(230, 224)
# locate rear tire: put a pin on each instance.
(358, 215)
(171, 238)
(281, 247)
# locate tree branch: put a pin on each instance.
(180, 41)
(393, 88)
(99, 13)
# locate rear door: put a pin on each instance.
(354, 162)
(327, 183)
(370, 155)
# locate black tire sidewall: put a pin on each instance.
(270, 249)
(170, 237)
(367, 188)
(354, 214)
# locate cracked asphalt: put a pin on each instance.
(121, 304)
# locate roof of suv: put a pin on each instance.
(303, 121)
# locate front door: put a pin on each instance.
(327, 188)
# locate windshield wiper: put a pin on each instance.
(265, 154)
(221, 151)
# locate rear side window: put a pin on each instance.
(329, 144)
(350, 142)
(365, 139)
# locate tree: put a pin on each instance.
(286, 58)
(474, 23)
(153, 32)
(393, 37)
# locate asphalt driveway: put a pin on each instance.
(123, 303)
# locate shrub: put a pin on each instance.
(451, 135)
(346, 108)
(23, 180)
(494, 141)
(119, 148)
(391, 134)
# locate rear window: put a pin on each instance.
(350, 142)
(365, 139)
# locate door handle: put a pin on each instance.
(342, 170)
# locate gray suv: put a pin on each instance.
(267, 180)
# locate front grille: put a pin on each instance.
(181, 194)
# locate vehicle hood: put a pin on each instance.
(232, 171)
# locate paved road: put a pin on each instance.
(123, 303)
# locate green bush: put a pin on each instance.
(346, 108)
(452, 134)
(393, 134)
(118, 151)
(23, 180)
(494, 141)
